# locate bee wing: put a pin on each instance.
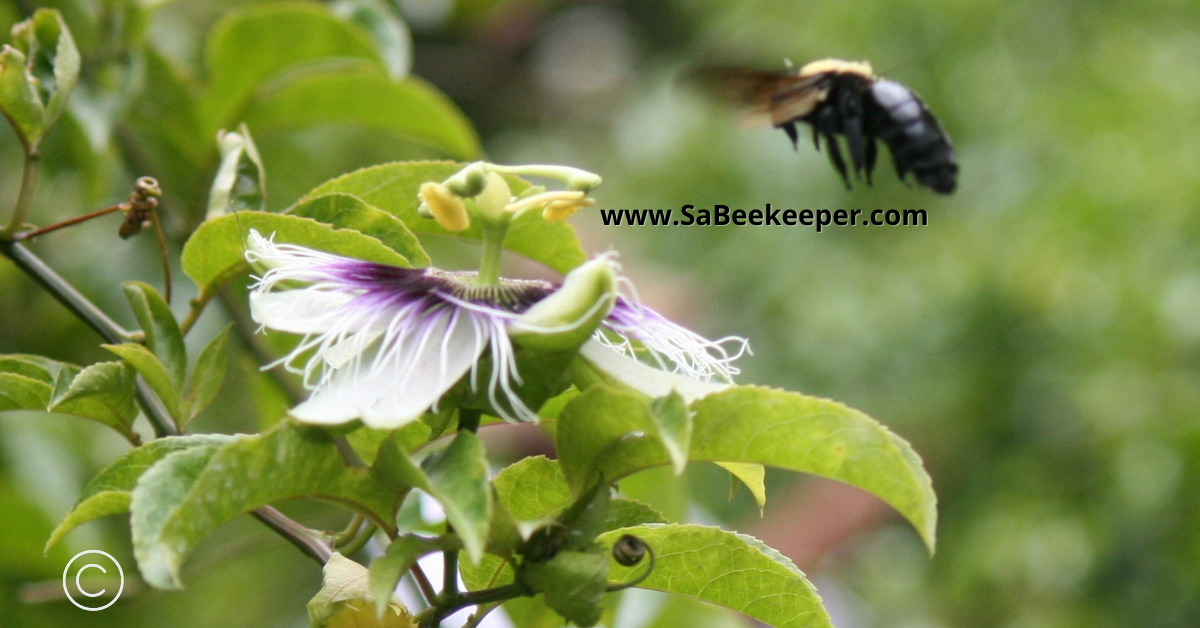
(764, 98)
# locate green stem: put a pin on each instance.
(307, 540)
(423, 584)
(359, 541)
(468, 419)
(450, 572)
(195, 309)
(351, 530)
(25, 197)
(448, 606)
(493, 246)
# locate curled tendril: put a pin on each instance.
(628, 551)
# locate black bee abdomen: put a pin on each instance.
(917, 142)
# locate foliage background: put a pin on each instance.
(1037, 342)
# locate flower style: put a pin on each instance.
(387, 342)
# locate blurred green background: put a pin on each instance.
(1038, 342)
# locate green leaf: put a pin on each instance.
(109, 493)
(346, 211)
(158, 493)
(175, 504)
(351, 94)
(532, 488)
(35, 366)
(393, 188)
(386, 571)
(162, 332)
(209, 373)
(727, 569)
(533, 491)
(251, 44)
(366, 441)
(458, 478)
(573, 584)
(672, 423)
(19, 98)
(602, 432)
(155, 372)
(753, 476)
(53, 59)
(388, 31)
(102, 392)
(37, 75)
(215, 252)
(345, 596)
(623, 513)
(21, 392)
(241, 181)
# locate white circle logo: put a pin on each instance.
(91, 594)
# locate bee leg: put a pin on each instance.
(835, 156)
(851, 114)
(826, 121)
(790, 129)
(816, 138)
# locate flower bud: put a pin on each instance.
(444, 206)
(569, 316)
(345, 599)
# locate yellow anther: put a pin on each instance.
(445, 206)
(561, 210)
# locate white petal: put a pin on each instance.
(641, 377)
(395, 392)
(300, 311)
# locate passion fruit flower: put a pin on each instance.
(384, 343)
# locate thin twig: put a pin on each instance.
(162, 252)
(423, 584)
(448, 606)
(306, 539)
(40, 231)
(195, 309)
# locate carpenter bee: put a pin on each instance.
(846, 98)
